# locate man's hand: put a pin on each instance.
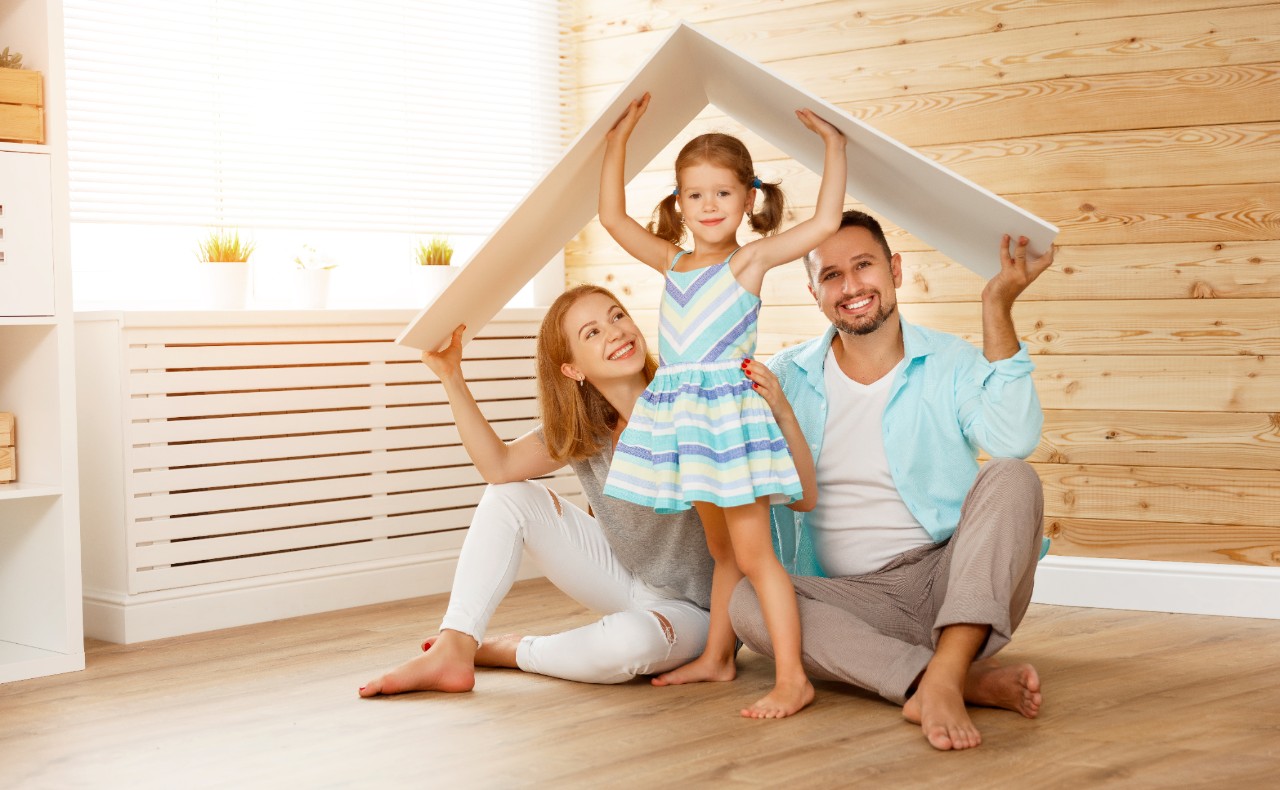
(999, 338)
(1016, 273)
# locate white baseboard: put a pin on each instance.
(125, 619)
(1179, 587)
(1148, 586)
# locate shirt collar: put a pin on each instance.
(916, 343)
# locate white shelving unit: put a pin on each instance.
(41, 625)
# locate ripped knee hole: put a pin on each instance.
(555, 500)
(667, 629)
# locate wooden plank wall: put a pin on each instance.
(1146, 131)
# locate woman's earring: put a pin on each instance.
(581, 380)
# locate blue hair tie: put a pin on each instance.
(675, 192)
(755, 183)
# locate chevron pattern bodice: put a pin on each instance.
(706, 316)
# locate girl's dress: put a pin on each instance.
(699, 432)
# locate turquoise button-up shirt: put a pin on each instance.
(946, 403)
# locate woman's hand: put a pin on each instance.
(447, 363)
(622, 130)
(767, 384)
(764, 382)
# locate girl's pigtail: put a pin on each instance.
(771, 209)
(667, 223)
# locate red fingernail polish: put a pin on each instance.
(755, 386)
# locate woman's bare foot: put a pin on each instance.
(939, 710)
(784, 700)
(1015, 687)
(449, 666)
(704, 668)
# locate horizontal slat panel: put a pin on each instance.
(221, 549)
(284, 562)
(255, 484)
(1214, 213)
(1249, 497)
(1203, 270)
(305, 331)
(1199, 384)
(1012, 165)
(1157, 41)
(1193, 326)
(286, 354)
(1165, 541)
(310, 445)
(162, 431)
(1161, 438)
(148, 408)
(186, 527)
(203, 381)
(1104, 102)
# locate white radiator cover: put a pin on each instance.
(239, 467)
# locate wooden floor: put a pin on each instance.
(1131, 699)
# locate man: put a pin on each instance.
(915, 567)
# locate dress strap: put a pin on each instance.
(735, 252)
(675, 259)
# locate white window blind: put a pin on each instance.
(359, 127)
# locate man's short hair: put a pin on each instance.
(852, 219)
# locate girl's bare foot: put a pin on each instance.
(784, 700)
(1015, 687)
(702, 669)
(449, 666)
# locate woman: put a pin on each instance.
(649, 574)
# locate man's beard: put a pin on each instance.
(866, 324)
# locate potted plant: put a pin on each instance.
(312, 271)
(224, 260)
(434, 259)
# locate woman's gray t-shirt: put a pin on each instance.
(668, 552)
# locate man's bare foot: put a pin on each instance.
(1015, 687)
(448, 667)
(784, 700)
(702, 669)
(939, 710)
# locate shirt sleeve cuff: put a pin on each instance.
(992, 376)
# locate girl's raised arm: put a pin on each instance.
(496, 460)
(630, 235)
(764, 254)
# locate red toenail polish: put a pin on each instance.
(362, 688)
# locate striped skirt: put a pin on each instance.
(700, 433)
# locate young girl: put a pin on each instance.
(701, 435)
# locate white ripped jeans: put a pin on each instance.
(631, 639)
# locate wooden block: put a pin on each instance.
(21, 106)
(8, 429)
(20, 86)
(8, 465)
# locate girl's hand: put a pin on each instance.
(621, 130)
(815, 124)
(447, 363)
(764, 382)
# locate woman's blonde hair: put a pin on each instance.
(727, 151)
(576, 419)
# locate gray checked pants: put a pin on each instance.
(878, 631)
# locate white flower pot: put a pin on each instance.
(433, 280)
(226, 285)
(310, 289)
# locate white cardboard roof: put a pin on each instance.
(686, 73)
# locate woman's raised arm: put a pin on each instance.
(496, 460)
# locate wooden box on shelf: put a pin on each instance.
(8, 454)
(21, 106)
